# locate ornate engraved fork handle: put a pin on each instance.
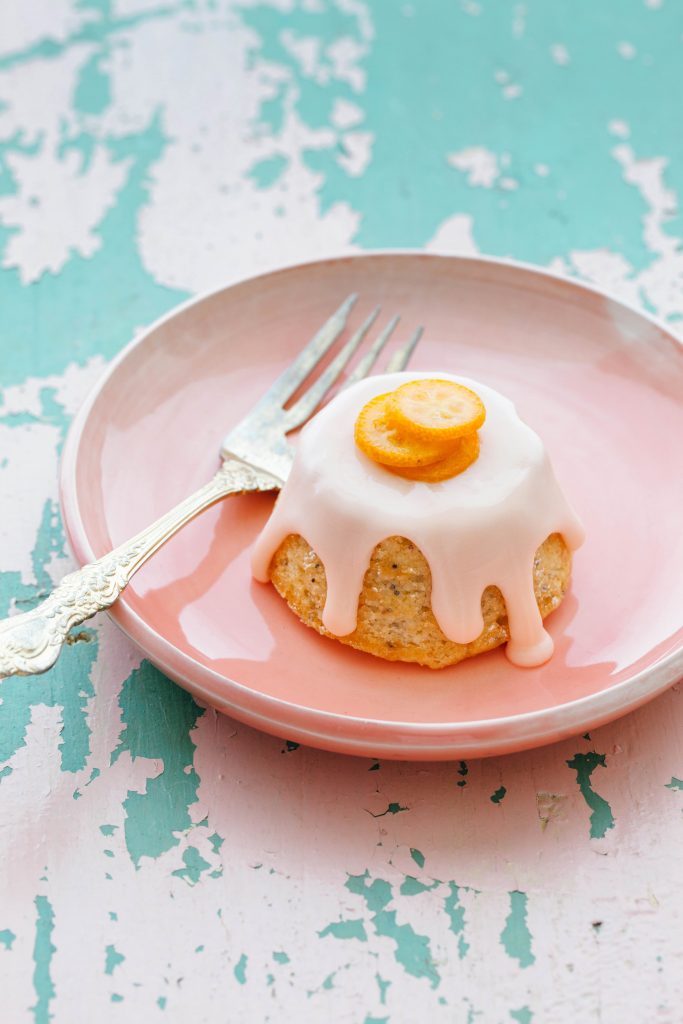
(31, 642)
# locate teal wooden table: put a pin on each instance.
(160, 862)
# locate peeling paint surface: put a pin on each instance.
(161, 862)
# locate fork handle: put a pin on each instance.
(31, 642)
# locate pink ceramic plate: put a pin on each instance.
(601, 383)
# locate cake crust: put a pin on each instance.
(395, 618)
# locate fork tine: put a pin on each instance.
(370, 358)
(300, 412)
(289, 380)
(401, 357)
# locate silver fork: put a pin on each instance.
(255, 456)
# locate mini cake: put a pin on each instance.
(457, 541)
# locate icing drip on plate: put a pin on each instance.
(477, 529)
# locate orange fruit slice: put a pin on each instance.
(435, 410)
(383, 442)
(462, 453)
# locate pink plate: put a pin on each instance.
(601, 383)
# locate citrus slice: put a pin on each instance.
(436, 410)
(383, 442)
(462, 453)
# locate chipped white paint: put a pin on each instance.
(345, 114)
(21, 28)
(512, 91)
(27, 472)
(619, 128)
(560, 54)
(58, 205)
(478, 163)
(70, 388)
(345, 54)
(484, 168)
(470, 7)
(454, 236)
(200, 178)
(357, 152)
(306, 49)
(659, 282)
(53, 225)
(626, 50)
(519, 20)
(648, 178)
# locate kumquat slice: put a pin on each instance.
(463, 453)
(383, 442)
(436, 410)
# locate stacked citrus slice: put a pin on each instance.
(424, 430)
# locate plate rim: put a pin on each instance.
(624, 696)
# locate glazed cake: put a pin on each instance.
(409, 560)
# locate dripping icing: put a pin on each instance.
(477, 529)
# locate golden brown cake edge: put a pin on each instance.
(395, 618)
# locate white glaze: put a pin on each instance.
(477, 529)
